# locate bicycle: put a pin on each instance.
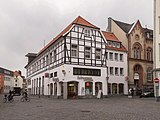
(25, 99)
(7, 98)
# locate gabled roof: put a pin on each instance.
(124, 26)
(122, 48)
(79, 21)
(110, 36)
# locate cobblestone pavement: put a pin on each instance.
(111, 108)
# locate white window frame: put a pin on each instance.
(87, 32)
(121, 71)
(98, 53)
(121, 57)
(116, 71)
(87, 52)
(74, 50)
(116, 56)
(110, 55)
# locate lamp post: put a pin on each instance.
(48, 90)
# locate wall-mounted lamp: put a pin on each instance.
(63, 71)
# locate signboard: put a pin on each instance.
(156, 80)
(85, 78)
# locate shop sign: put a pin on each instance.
(85, 78)
(55, 79)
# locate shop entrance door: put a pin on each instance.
(72, 89)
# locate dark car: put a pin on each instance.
(147, 94)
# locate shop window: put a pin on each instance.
(86, 71)
(88, 88)
(98, 86)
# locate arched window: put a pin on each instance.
(149, 54)
(137, 53)
(137, 48)
(149, 74)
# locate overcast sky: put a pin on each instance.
(25, 24)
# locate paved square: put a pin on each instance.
(112, 108)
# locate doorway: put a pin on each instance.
(72, 89)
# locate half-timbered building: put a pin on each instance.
(72, 64)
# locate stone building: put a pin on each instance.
(139, 43)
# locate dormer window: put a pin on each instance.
(118, 45)
(109, 43)
(148, 35)
(87, 32)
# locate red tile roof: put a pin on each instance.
(79, 21)
(110, 36)
(122, 48)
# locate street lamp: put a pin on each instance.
(48, 90)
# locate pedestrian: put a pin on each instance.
(132, 92)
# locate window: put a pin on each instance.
(74, 50)
(114, 44)
(98, 53)
(137, 37)
(111, 56)
(46, 60)
(51, 75)
(50, 57)
(121, 57)
(86, 71)
(149, 74)
(55, 74)
(55, 55)
(87, 52)
(109, 43)
(87, 32)
(149, 54)
(111, 70)
(121, 71)
(106, 55)
(116, 70)
(118, 45)
(137, 51)
(116, 56)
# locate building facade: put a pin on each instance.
(157, 45)
(139, 43)
(6, 80)
(72, 64)
(116, 58)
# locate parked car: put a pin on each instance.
(147, 94)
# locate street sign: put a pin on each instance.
(156, 80)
